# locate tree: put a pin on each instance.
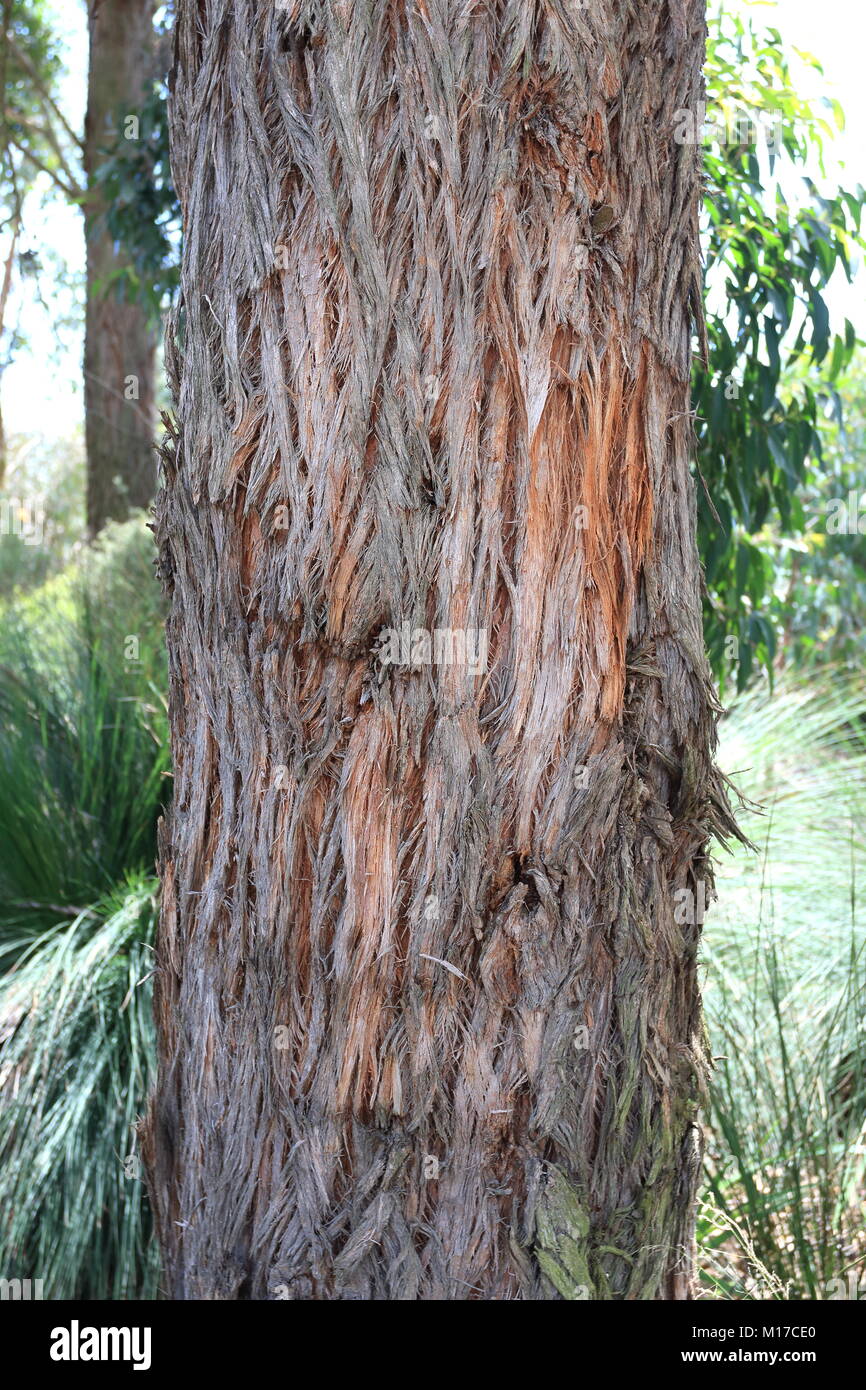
(36, 138)
(770, 253)
(772, 238)
(120, 332)
(427, 1003)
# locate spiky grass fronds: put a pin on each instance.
(785, 999)
(76, 1030)
(83, 777)
(83, 770)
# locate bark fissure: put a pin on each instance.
(429, 1026)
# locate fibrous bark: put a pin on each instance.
(120, 336)
(429, 1025)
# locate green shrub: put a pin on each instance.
(77, 1043)
(785, 999)
(83, 778)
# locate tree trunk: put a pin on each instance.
(4, 300)
(120, 336)
(427, 1003)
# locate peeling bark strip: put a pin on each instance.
(429, 1028)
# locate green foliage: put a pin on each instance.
(30, 66)
(47, 477)
(785, 1000)
(143, 214)
(771, 351)
(122, 597)
(819, 586)
(76, 1043)
(83, 778)
(81, 783)
(83, 757)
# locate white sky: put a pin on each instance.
(41, 390)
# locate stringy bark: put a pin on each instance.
(429, 1028)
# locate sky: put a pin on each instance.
(41, 389)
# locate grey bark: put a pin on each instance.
(429, 1022)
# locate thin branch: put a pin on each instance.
(7, 269)
(43, 91)
(73, 193)
(50, 137)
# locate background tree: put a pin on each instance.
(120, 319)
(120, 333)
(775, 231)
(427, 1005)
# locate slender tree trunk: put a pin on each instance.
(427, 1001)
(5, 288)
(120, 337)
